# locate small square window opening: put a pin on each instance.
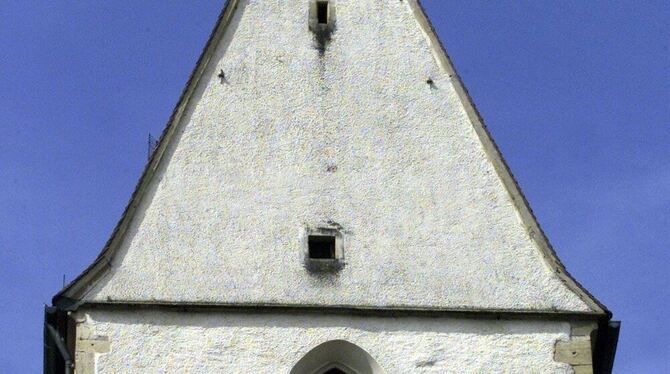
(322, 12)
(321, 247)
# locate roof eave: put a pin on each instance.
(376, 310)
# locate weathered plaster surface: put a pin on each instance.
(294, 138)
(167, 342)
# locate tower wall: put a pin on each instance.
(215, 342)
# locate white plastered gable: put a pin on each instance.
(373, 132)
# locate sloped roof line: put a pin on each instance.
(75, 290)
(87, 279)
(502, 169)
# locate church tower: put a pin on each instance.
(326, 199)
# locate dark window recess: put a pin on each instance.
(335, 371)
(321, 247)
(322, 12)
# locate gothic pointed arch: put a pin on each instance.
(337, 356)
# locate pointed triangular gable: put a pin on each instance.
(279, 132)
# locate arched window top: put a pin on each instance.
(337, 357)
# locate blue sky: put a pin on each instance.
(576, 94)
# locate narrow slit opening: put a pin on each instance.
(322, 12)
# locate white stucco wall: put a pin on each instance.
(168, 342)
(427, 220)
